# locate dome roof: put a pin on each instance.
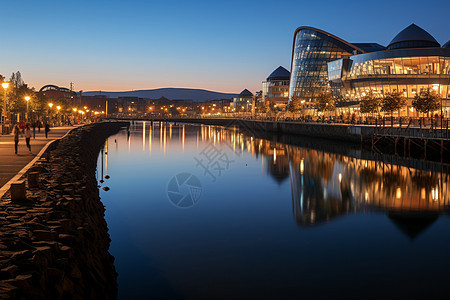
(245, 93)
(412, 37)
(446, 45)
(279, 74)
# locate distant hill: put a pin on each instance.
(196, 95)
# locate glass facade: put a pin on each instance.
(311, 52)
(408, 71)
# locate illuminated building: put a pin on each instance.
(412, 62)
(59, 93)
(276, 87)
(243, 101)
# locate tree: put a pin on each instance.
(426, 101)
(392, 101)
(325, 102)
(273, 107)
(295, 105)
(16, 98)
(261, 107)
(369, 104)
(16, 79)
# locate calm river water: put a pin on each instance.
(201, 212)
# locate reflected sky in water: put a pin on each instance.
(269, 220)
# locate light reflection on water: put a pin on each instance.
(241, 241)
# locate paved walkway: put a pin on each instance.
(11, 164)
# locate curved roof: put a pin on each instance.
(280, 73)
(446, 45)
(245, 93)
(414, 33)
(370, 47)
(325, 33)
(328, 34)
(52, 87)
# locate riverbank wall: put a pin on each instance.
(420, 143)
(352, 133)
(338, 132)
(54, 242)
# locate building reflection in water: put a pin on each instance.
(327, 185)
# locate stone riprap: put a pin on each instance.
(54, 244)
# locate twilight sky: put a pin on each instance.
(224, 46)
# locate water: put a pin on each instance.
(268, 220)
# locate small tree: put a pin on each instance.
(16, 79)
(261, 107)
(273, 107)
(295, 105)
(325, 103)
(369, 104)
(392, 101)
(426, 101)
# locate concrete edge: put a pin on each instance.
(7, 185)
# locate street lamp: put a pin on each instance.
(50, 111)
(5, 85)
(27, 98)
(58, 115)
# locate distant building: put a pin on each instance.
(243, 101)
(131, 105)
(98, 103)
(276, 87)
(59, 93)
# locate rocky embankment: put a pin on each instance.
(54, 244)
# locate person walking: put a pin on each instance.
(47, 129)
(28, 136)
(16, 132)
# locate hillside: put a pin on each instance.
(197, 95)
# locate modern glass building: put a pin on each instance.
(413, 61)
(311, 51)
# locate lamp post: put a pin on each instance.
(5, 85)
(50, 111)
(59, 115)
(27, 98)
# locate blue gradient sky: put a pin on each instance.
(224, 46)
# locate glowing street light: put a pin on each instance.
(27, 98)
(5, 85)
(50, 110)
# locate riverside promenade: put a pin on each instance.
(11, 164)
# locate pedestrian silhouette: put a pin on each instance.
(27, 132)
(47, 129)
(16, 132)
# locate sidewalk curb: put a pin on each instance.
(7, 185)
